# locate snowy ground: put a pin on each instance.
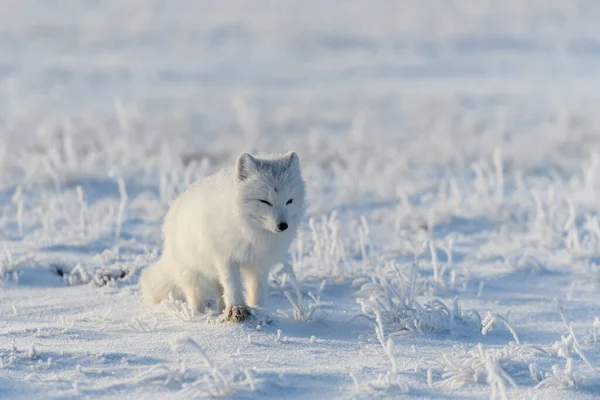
(452, 248)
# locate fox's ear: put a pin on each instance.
(293, 160)
(246, 165)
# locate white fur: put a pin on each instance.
(218, 233)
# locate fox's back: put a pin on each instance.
(200, 215)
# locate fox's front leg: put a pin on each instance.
(256, 282)
(233, 295)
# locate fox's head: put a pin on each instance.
(271, 191)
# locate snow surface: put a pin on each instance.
(452, 246)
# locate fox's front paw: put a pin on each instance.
(237, 313)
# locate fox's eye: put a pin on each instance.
(290, 201)
(266, 202)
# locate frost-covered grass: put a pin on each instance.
(451, 151)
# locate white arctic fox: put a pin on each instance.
(229, 227)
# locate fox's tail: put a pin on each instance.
(156, 283)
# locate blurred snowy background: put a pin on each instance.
(450, 150)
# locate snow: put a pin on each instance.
(452, 156)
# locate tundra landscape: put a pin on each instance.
(451, 152)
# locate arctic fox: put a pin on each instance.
(228, 227)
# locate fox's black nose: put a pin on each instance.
(282, 226)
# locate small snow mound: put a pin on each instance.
(258, 317)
